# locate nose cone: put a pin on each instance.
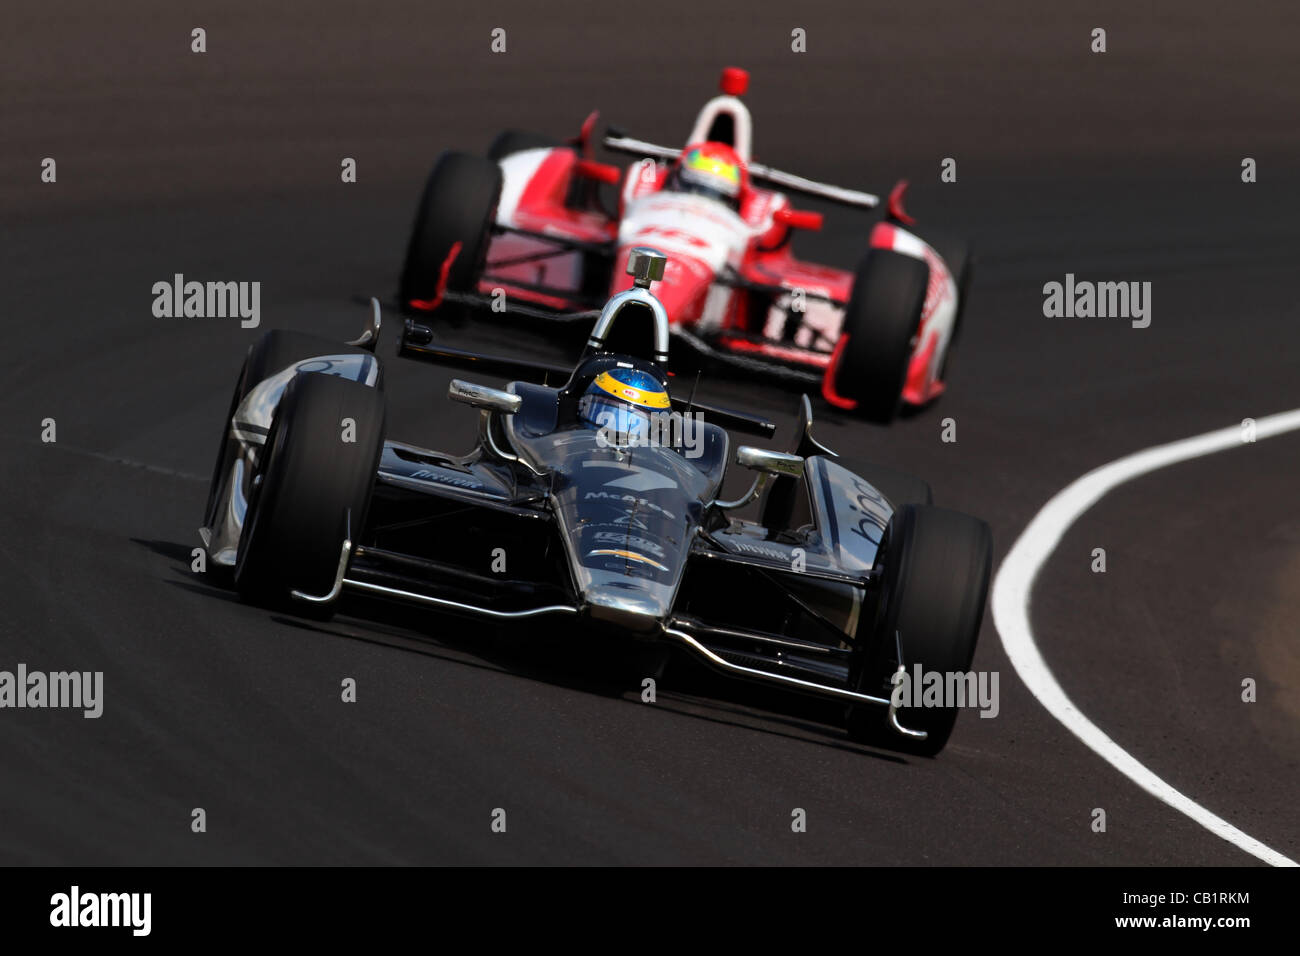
(627, 520)
(627, 604)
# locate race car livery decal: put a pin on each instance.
(856, 513)
(631, 540)
(688, 226)
(630, 500)
(626, 556)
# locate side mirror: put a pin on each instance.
(601, 172)
(480, 396)
(770, 462)
(799, 219)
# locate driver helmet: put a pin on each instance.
(711, 169)
(621, 400)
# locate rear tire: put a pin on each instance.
(459, 204)
(935, 585)
(881, 323)
(308, 479)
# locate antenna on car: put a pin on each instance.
(645, 266)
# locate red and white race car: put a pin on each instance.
(527, 230)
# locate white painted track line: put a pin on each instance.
(1013, 589)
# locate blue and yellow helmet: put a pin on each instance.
(622, 400)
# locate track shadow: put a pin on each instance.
(183, 553)
(556, 655)
(213, 583)
(553, 655)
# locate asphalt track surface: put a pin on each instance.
(1122, 166)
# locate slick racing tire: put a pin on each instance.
(459, 204)
(276, 350)
(318, 466)
(936, 581)
(516, 141)
(880, 324)
(956, 255)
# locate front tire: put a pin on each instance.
(274, 351)
(881, 323)
(459, 204)
(317, 467)
(935, 586)
(956, 255)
